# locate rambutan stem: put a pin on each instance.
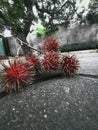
(29, 46)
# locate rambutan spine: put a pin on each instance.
(50, 45)
(50, 62)
(34, 61)
(69, 65)
(17, 75)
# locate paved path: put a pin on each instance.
(88, 63)
(56, 104)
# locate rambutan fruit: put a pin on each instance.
(69, 65)
(34, 61)
(50, 45)
(16, 75)
(50, 62)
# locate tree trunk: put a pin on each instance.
(24, 44)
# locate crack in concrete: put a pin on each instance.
(89, 75)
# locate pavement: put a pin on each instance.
(55, 103)
(88, 63)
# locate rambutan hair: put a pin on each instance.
(50, 45)
(50, 62)
(34, 61)
(69, 65)
(17, 75)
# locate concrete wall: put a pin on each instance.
(80, 34)
(14, 46)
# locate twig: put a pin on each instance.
(28, 46)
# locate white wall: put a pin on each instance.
(79, 34)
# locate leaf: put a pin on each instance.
(41, 31)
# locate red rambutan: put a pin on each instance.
(50, 44)
(50, 62)
(70, 65)
(16, 75)
(34, 61)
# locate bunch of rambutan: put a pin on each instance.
(51, 57)
(20, 73)
(53, 60)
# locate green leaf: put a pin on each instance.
(41, 31)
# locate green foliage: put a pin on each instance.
(20, 14)
(92, 16)
(11, 14)
(54, 12)
(41, 31)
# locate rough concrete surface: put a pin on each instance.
(55, 104)
(88, 63)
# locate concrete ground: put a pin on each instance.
(88, 63)
(57, 103)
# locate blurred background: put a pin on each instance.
(74, 23)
